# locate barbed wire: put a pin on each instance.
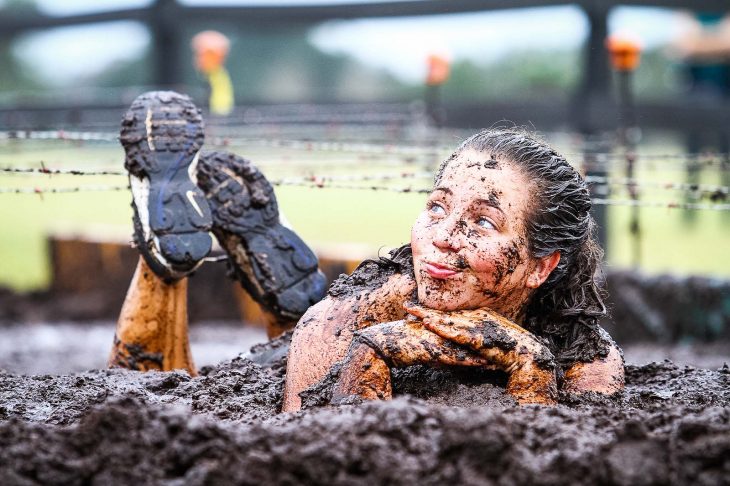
(659, 204)
(331, 146)
(59, 135)
(717, 192)
(61, 190)
(403, 190)
(75, 172)
(426, 147)
(255, 118)
(709, 190)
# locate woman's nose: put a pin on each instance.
(448, 237)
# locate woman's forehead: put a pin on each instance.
(479, 171)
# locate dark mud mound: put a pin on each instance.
(237, 390)
(672, 426)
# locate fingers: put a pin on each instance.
(455, 326)
(418, 310)
(447, 325)
(405, 344)
(455, 331)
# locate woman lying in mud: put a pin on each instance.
(500, 274)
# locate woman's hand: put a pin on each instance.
(529, 363)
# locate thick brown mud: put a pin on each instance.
(671, 426)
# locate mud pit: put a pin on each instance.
(672, 425)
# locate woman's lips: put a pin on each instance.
(436, 270)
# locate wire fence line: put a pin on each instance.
(393, 146)
(61, 190)
(717, 192)
(392, 157)
(73, 136)
(387, 151)
(323, 184)
(46, 171)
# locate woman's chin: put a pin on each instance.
(441, 302)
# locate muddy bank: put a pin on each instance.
(672, 425)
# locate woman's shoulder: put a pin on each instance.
(373, 274)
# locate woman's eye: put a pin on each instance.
(436, 209)
(485, 223)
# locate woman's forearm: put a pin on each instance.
(604, 375)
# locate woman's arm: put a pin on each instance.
(323, 335)
(528, 362)
(604, 375)
(487, 332)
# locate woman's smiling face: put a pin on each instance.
(469, 244)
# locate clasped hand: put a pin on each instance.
(513, 349)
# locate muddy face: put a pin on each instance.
(469, 243)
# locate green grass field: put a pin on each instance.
(322, 216)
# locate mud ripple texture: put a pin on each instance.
(672, 426)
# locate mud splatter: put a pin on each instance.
(372, 274)
(495, 336)
(493, 198)
(134, 356)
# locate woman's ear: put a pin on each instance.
(542, 270)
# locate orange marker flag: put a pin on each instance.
(439, 69)
(625, 52)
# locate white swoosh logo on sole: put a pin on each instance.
(191, 197)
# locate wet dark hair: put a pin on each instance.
(565, 308)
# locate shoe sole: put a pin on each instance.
(162, 133)
(272, 263)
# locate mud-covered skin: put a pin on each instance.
(471, 251)
(473, 225)
(134, 357)
(482, 331)
(448, 339)
(272, 263)
(591, 375)
(376, 293)
(323, 335)
(152, 328)
(365, 373)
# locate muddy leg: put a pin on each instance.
(365, 372)
(152, 330)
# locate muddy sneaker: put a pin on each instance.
(162, 133)
(272, 263)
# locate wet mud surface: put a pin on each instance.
(671, 426)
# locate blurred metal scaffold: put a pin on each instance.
(590, 110)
